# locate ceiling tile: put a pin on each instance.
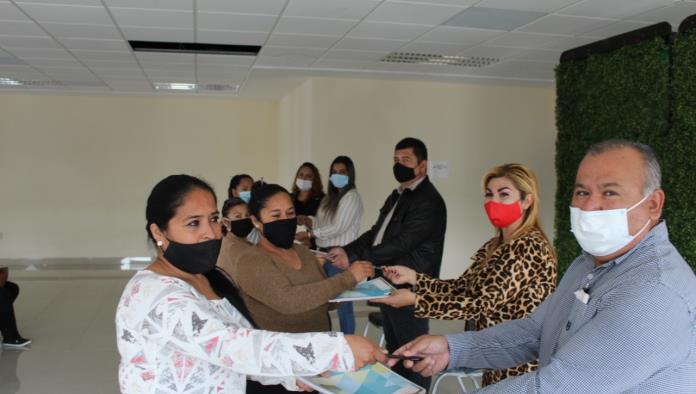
(568, 43)
(94, 44)
(304, 41)
(41, 62)
(104, 32)
(614, 8)
(569, 25)
(231, 37)
(116, 73)
(369, 44)
(528, 5)
(165, 58)
(236, 22)
(458, 35)
(491, 51)
(9, 12)
(153, 18)
(111, 64)
(541, 55)
(96, 3)
(673, 14)
(493, 18)
(164, 67)
(34, 42)
(268, 7)
(424, 14)
(156, 34)
(285, 61)
(340, 64)
(433, 47)
(221, 70)
(104, 55)
(524, 40)
(390, 31)
(21, 28)
(46, 53)
(225, 60)
(20, 72)
(186, 5)
(462, 3)
(7, 59)
(617, 28)
(521, 70)
(339, 9)
(60, 13)
(314, 26)
(353, 56)
(291, 51)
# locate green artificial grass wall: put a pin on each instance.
(624, 93)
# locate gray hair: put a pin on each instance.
(652, 176)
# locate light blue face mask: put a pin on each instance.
(245, 196)
(339, 180)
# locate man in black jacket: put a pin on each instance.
(410, 231)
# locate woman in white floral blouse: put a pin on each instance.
(175, 334)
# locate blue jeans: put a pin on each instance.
(346, 317)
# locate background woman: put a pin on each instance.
(282, 284)
(337, 223)
(307, 191)
(240, 187)
(511, 274)
(172, 330)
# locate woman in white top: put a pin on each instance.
(337, 223)
(176, 335)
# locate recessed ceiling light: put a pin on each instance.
(174, 86)
(10, 82)
(194, 47)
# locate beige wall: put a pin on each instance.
(471, 127)
(75, 171)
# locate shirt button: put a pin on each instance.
(568, 325)
(590, 276)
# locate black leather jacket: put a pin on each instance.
(415, 236)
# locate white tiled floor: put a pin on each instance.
(68, 312)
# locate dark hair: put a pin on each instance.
(317, 186)
(261, 195)
(167, 196)
(235, 181)
(652, 174)
(330, 203)
(416, 145)
(231, 203)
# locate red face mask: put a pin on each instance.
(502, 215)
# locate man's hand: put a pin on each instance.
(362, 270)
(432, 348)
(364, 351)
(338, 257)
(398, 298)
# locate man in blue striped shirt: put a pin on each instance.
(623, 318)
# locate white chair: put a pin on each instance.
(375, 318)
(462, 376)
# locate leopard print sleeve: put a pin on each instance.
(426, 284)
(516, 277)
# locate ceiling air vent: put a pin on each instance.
(427, 58)
(191, 47)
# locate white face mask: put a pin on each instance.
(303, 184)
(601, 233)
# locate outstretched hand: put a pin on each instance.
(365, 351)
(434, 351)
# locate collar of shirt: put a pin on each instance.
(411, 187)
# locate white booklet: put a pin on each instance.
(370, 379)
(375, 288)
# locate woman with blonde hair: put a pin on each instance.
(510, 276)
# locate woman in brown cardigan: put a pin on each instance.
(282, 283)
(511, 274)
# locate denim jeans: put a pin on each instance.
(346, 317)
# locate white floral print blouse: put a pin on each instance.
(174, 340)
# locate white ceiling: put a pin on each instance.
(80, 45)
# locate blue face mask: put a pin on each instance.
(245, 196)
(339, 180)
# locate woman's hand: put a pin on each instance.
(399, 275)
(398, 298)
(303, 387)
(365, 351)
(303, 220)
(362, 270)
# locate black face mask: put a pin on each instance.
(193, 258)
(403, 173)
(241, 227)
(281, 233)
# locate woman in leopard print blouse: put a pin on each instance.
(510, 276)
